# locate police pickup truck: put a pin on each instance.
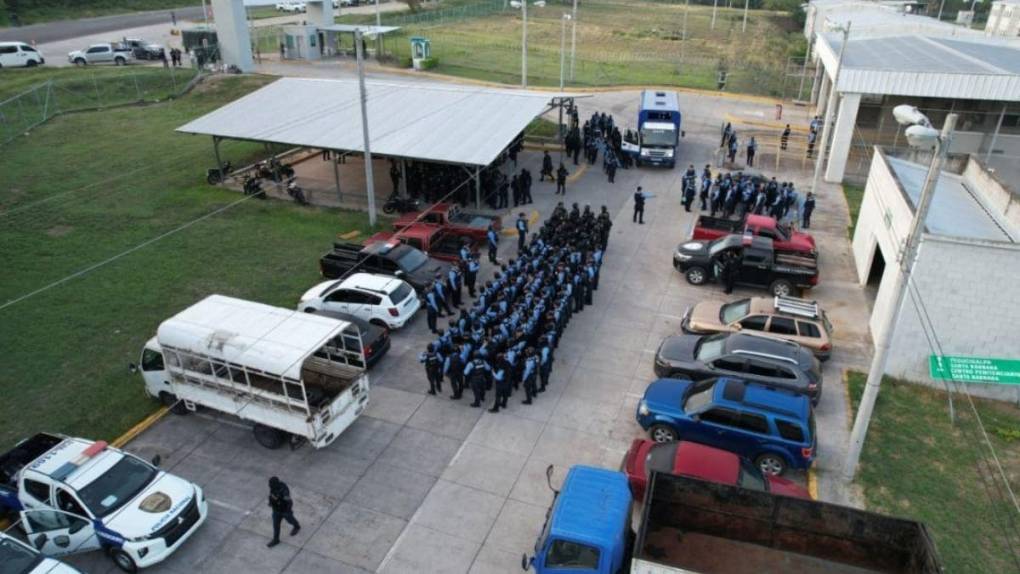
(75, 495)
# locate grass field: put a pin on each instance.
(854, 195)
(109, 181)
(618, 42)
(918, 465)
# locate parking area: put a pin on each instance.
(426, 484)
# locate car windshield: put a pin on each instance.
(661, 457)
(16, 559)
(655, 137)
(750, 477)
(411, 259)
(117, 486)
(734, 311)
(567, 554)
(710, 347)
(699, 396)
(400, 293)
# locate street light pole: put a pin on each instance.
(715, 6)
(378, 24)
(683, 34)
(573, 39)
(524, 44)
(824, 144)
(900, 286)
(743, 28)
(563, 47)
(369, 181)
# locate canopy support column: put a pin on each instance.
(403, 177)
(478, 187)
(216, 152)
(336, 176)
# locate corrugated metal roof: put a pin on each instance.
(367, 30)
(954, 209)
(913, 65)
(421, 120)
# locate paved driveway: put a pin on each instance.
(425, 484)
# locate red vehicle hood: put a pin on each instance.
(634, 466)
(786, 487)
(799, 239)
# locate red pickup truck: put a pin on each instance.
(437, 242)
(453, 218)
(783, 238)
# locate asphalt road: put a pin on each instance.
(67, 29)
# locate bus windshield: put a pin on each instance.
(658, 137)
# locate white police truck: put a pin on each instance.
(297, 376)
(74, 495)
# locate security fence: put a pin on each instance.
(89, 90)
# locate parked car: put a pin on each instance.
(379, 299)
(452, 217)
(759, 264)
(438, 242)
(142, 49)
(102, 54)
(773, 428)
(756, 358)
(294, 7)
(783, 237)
(696, 460)
(798, 320)
(19, 54)
(375, 339)
(385, 258)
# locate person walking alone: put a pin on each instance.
(639, 206)
(807, 210)
(283, 509)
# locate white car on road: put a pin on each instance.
(18, 54)
(379, 299)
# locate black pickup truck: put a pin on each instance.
(402, 261)
(783, 273)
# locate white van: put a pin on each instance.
(19, 55)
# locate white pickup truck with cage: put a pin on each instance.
(297, 376)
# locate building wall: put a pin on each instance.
(967, 287)
(1004, 19)
(995, 194)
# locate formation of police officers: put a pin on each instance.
(739, 194)
(507, 338)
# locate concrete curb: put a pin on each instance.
(812, 483)
(140, 427)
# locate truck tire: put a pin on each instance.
(80, 62)
(387, 208)
(123, 560)
(771, 464)
(782, 288)
(119, 61)
(170, 401)
(269, 437)
(662, 433)
(696, 275)
(31, 64)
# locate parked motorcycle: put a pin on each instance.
(253, 186)
(401, 204)
(215, 177)
(274, 170)
(296, 192)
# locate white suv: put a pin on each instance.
(379, 299)
(17, 54)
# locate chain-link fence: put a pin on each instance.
(89, 90)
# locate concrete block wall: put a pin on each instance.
(995, 195)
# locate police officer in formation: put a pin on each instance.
(506, 339)
(741, 195)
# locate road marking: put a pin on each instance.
(812, 483)
(350, 234)
(228, 506)
(140, 427)
(577, 174)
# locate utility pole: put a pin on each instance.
(573, 39)
(824, 143)
(902, 283)
(683, 34)
(563, 50)
(378, 24)
(369, 181)
(524, 44)
(743, 28)
(715, 6)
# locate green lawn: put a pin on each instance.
(854, 196)
(917, 465)
(35, 11)
(116, 179)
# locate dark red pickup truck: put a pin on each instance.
(451, 217)
(783, 238)
(437, 242)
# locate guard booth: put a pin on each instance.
(421, 50)
(302, 42)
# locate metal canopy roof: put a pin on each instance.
(367, 30)
(926, 66)
(420, 120)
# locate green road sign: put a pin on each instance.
(975, 369)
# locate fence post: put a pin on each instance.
(138, 89)
(173, 79)
(95, 85)
(46, 102)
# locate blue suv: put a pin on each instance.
(774, 428)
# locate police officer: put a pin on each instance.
(522, 231)
(639, 206)
(283, 509)
(433, 368)
(730, 271)
(502, 383)
(547, 167)
(439, 288)
(453, 284)
(471, 274)
(807, 210)
(545, 361)
(453, 368)
(528, 376)
(477, 374)
(432, 309)
(493, 241)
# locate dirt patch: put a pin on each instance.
(59, 230)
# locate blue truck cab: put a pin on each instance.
(587, 528)
(658, 128)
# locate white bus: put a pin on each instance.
(296, 376)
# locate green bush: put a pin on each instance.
(429, 63)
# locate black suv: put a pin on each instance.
(754, 358)
(401, 261)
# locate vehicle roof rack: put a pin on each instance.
(795, 306)
(761, 355)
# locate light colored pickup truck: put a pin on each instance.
(102, 54)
